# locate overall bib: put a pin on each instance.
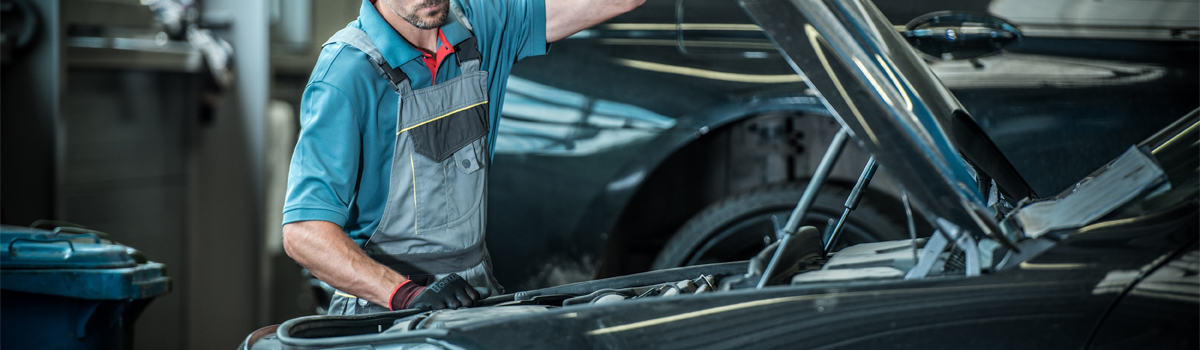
(433, 222)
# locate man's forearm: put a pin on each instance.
(325, 250)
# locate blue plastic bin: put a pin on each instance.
(77, 290)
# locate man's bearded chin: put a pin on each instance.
(437, 18)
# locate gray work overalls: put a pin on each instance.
(433, 222)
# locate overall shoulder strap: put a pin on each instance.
(460, 15)
(358, 39)
(467, 50)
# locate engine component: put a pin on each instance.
(593, 297)
(451, 318)
(706, 283)
(609, 298)
(682, 287)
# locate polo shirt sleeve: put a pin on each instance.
(509, 28)
(324, 168)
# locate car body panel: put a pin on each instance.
(1051, 301)
(1158, 309)
(558, 215)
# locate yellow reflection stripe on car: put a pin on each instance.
(772, 301)
(686, 26)
(443, 116)
(1177, 137)
(1035, 266)
(708, 74)
(694, 314)
(690, 43)
(698, 26)
(815, 39)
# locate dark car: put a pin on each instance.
(671, 135)
(1112, 262)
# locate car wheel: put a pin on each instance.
(738, 227)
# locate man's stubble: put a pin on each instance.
(431, 20)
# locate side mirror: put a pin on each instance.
(954, 35)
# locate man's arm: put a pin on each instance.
(566, 17)
(326, 251)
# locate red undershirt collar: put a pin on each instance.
(433, 60)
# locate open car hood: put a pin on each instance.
(888, 99)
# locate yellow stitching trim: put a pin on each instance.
(345, 295)
(414, 172)
(443, 116)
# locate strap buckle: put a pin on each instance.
(466, 51)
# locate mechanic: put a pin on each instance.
(387, 188)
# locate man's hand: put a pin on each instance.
(449, 292)
(566, 17)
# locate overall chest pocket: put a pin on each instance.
(446, 128)
(444, 118)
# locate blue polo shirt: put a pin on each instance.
(343, 158)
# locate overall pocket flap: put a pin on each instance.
(439, 139)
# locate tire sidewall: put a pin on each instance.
(729, 211)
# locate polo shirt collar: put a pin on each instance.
(394, 48)
(454, 31)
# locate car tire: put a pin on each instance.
(739, 226)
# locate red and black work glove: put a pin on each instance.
(451, 292)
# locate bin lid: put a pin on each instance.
(30, 248)
(76, 264)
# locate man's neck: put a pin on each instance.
(421, 39)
